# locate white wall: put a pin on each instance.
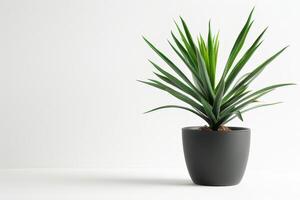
(68, 90)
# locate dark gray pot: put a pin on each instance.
(214, 158)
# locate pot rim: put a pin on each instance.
(196, 129)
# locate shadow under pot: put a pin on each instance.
(214, 158)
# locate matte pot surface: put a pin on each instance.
(214, 158)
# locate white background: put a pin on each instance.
(69, 96)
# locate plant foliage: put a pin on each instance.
(216, 102)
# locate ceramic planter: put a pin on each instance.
(214, 158)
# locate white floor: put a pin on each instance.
(141, 184)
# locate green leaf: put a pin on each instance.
(175, 93)
(236, 90)
(243, 60)
(187, 45)
(239, 115)
(234, 98)
(251, 98)
(238, 43)
(185, 58)
(268, 88)
(203, 49)
(170, 63)
(176, 82)
(179, 86)
(241, 104)
(211, 54)
(252, 75)
(204, 76)
(216, 50)
(188, 35)
(218, 99)
(252, 108)
(180, 107)
(208, 110)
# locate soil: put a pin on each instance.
(224, 129)
(221, 129)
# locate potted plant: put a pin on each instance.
(215, 154)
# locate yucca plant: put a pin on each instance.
(215, 101)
